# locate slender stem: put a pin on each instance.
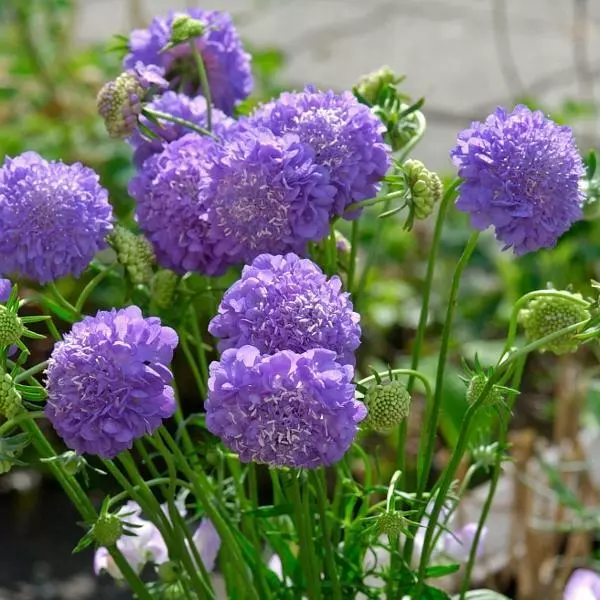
(199, 344)
(24, 416)
(193, 366)
(62, 300)
(353, 254)
(160, 481)
(181, 423)
(31, 371)
(89, 288)
(203, 82)
(132, 578)
(410, 372)
(159, 114)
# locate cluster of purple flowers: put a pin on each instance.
(282, 393)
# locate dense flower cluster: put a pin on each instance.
(287, 303)
(177, 105)
(284, 409)
(521, 174)
(53, 217)
(227, 64)
(108, 381)
(346, 137)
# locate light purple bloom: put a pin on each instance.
(108, 381)
(287, 303)
(286, 409)
(5, 289)
(171, 190)
(346, 136)
(267, 195)
(178, 105)
(582, 585)
(227, 64)
(521, 175)
(53, 217)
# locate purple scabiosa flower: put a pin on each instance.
(108, 381)
(53, 217)
(346, 136)
(267, 195)
(172, 202)
(5, 289)
(227, 64)
(287, 303)
(286, 409)
(178, 105)
(521, 174)
(582, 585)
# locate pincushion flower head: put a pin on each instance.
(227, 64)
(172, 203)
(53, 217)
(108, 381)
(177, 105)
(521, 174)
(284, 409)
(346, 136)
(287, 303)
(267, 195)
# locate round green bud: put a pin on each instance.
(476, 386)
(119, 103)
(164, 286)
(108, 529)
(370, 86)
(425, 187)
(387, 405)
(11, 327)
(134, 252)
(545, 315)
(169, 571)
(185, 28)
(391, 523)
(174, 591)
(10, 399)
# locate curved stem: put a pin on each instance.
(203, 82)
(31, 371)
(410, 372)
(353, 255)
(159, 114)
(24, 416)
(89, 288)
(160, 481)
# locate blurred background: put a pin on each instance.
(465, 57)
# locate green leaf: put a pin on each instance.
(441, 570)
(591, 164)
(84, 542)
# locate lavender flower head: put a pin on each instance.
(267, 195)
(5, 289)
(287, 303)
(346, 136)
(108, 381)
(227, 64)
(286, 409)
(172, 203)
(53, 217)
(521, 174)
(178, 105)
(582, 585)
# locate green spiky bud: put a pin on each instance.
(169, 571)
(388, 404)
(175, 591)
(185, 28)
(11, 327)
(425, 187)
(391, 523)
(546, 314)
(108, 529)
(134, 253)
(477, 384)
(119, 103)
(372, 85)
(164, 285)
(10, 399)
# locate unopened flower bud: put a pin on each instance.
(10, 399)
(108, 529)
(164, 285)
(11, 327)
(545, 315)
(168, 571)
(174, 591)
(476, 386)
(388, 404)
(134, 252)
(425, 187)
(119, 103)
(370, 86)
(391, 523)
(185, 28)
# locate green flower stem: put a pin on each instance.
(158, 481)
(430, 432)
(515, 384)
(62, 300)
(202, 488)
(353, 255)
(306, 543)
(82, 503)
(203, 82)
(139, 446)
(182, 425)
(199, 344)
(90, 287)
(193, 366)
(24, 416)
(322, 502)
(153, 114)
(410, 372)
(30, 372)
